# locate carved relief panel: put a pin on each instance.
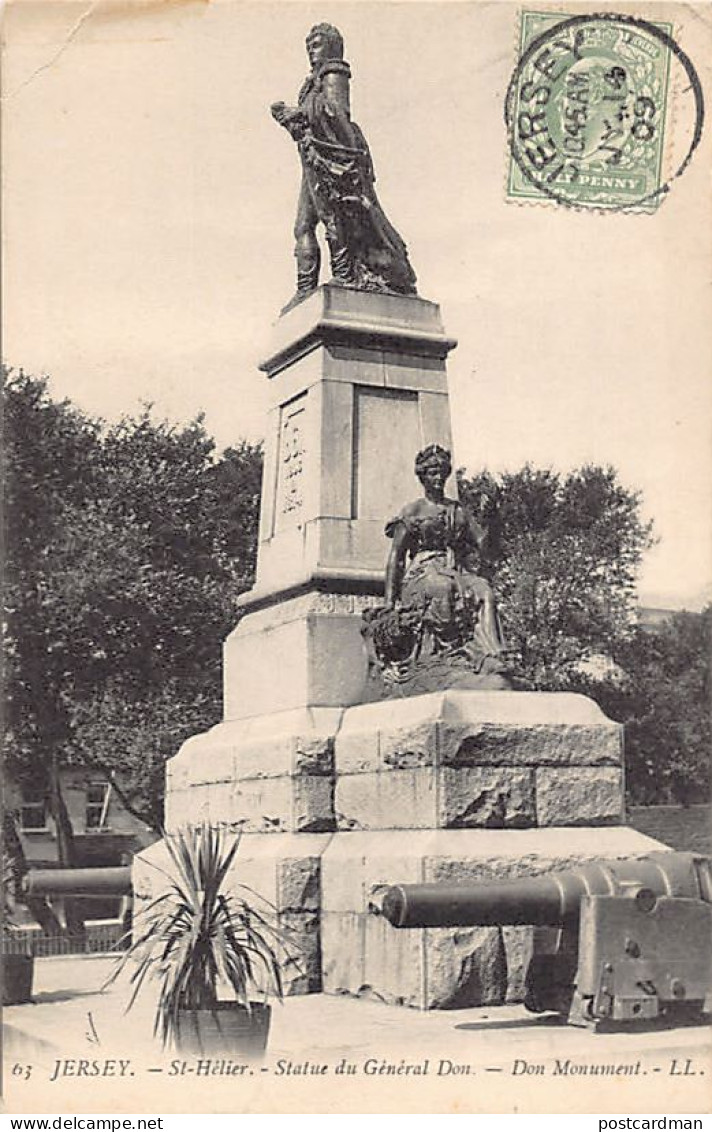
(291, 458)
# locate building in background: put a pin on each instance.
(105, 833)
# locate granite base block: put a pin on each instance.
(464, 966)
(579, 796)
(486, 797)
(451, 760)
(343, 952)
(272, 774)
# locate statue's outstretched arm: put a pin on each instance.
(292, 118)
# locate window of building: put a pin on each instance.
(98, 794)
(33, 812)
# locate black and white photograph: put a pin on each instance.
(357, 557)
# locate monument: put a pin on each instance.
(372, 731)
(338, 182)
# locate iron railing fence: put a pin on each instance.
(100, 936)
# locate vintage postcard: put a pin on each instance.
(289, 717)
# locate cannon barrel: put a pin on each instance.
(552, 900)
(78, 882)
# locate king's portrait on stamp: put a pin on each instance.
(587, 109)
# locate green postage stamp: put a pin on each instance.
(586, 111)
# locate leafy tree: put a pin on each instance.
(562, 553)
(176, 600)
(50, 470)
(126, 550)
(129, 737)
(664, 701)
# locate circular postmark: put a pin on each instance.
(586, 111)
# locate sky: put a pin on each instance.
(148, 207)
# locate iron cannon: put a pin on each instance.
(616, 941)
(78, 882)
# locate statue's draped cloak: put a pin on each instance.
(339, 172)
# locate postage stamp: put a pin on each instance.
(587, 109)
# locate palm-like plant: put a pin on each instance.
(194, 934)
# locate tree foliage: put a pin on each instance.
(563, 553)
(664, 701)
(126, 550)
(49, 473)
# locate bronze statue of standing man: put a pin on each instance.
(338, 182)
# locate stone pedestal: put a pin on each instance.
(357, 386)
(335, 798)
(472, 760)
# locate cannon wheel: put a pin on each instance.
(549, 984)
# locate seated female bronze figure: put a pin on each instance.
(439, 627)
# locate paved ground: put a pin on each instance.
(483, 1060)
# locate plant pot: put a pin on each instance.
(227, 1030)
(17, 979)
